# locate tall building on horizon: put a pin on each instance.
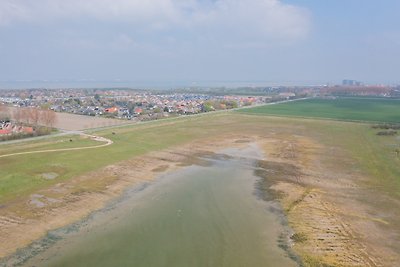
(351, 83)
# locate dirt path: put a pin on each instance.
(93, 137)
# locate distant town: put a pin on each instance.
(30, 112)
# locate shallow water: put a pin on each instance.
(197, 216)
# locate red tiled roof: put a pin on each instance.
(27, 129)
(5, 131)
(111, 110)
(138, 110)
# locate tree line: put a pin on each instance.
(29, 116)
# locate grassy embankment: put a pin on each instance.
(64, 142)
(20, 175)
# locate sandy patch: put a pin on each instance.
(49, 175)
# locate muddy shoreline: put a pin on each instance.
(54, 237)
(318, 201)
(22, 221)
(22, 255)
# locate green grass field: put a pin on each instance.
(21, 175)
(64, 142)
(352, 109)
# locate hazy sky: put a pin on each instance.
(304, 41)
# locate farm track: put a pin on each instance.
(93, 137)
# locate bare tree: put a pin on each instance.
(17, 115)
(34, 115)
(48, 117)
(4, 112)
(25, 115)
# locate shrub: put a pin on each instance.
(298, 237)
(387, 133)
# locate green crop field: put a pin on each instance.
(352, 109)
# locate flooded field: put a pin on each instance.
(196, 216)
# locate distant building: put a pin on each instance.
(111, 110)
(351, 83)
(287, 95)
(138, 110)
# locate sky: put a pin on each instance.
(200, 41)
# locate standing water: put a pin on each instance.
(197, 216)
